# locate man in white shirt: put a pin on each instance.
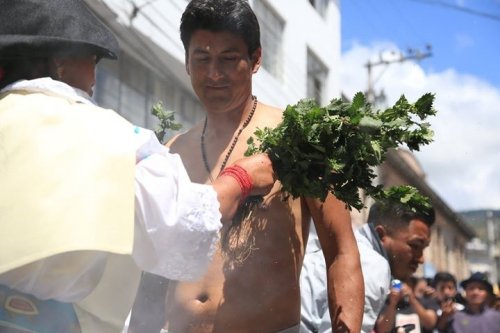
(391, 245)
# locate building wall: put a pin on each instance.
(305, 28)
(151, 65)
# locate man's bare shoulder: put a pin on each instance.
(270, 116)
(185, 139)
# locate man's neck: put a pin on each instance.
(223, 123)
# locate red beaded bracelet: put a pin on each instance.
(242, 177)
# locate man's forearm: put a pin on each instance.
(427, 317)
(386, 319)
(346, 294)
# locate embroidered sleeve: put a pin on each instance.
(177, 221)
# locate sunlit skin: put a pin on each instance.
(78, 72)
(260, 292)
(405, 247)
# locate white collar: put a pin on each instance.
(47, 84)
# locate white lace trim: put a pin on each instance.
(200, 229)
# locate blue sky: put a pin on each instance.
(463, 162)
(460, 40)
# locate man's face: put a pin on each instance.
(221, 69)
(445, 290)
(405, 248)
(476, 293)
(420, 289)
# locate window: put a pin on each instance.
(132, 89)
(271, 36)
(317, 73)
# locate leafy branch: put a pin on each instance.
(317, 150)
(166, 121)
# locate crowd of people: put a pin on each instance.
(440, 305)
(89, 202)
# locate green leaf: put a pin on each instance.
(166, 121)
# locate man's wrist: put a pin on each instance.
(242, 178)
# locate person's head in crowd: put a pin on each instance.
(446, 286)
(421, 287)
(478, 291)
(404, 234)
(61, 39)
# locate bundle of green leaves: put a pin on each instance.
(316, 150)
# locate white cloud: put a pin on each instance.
(463, 162)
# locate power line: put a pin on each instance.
(412, 54)
(461, 8)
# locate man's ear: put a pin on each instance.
(186, 63)
(256, 59)
(381, 232)
(56, 66)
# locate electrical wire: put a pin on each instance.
(461, 8)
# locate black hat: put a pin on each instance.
(40, 28)
(478, 277)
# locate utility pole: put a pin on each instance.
(373, 98)
(412, 54)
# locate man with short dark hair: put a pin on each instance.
(252, 285)
(391, 244)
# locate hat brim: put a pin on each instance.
(15, 46)
(485, 283)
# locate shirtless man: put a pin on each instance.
(252, 284)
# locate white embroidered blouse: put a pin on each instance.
(177, 222)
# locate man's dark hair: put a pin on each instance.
(396, 216)
(441, 277)
(234, 16)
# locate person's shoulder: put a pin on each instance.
(489, 312)
(374, 264)
(269, 116)
(186, 138)
(375, 267)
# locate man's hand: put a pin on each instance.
(448, 308)
(394, 297)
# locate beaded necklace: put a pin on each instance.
(233, 144)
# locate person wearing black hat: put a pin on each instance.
(87, 199)
(477, 317)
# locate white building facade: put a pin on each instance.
(301, 56)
